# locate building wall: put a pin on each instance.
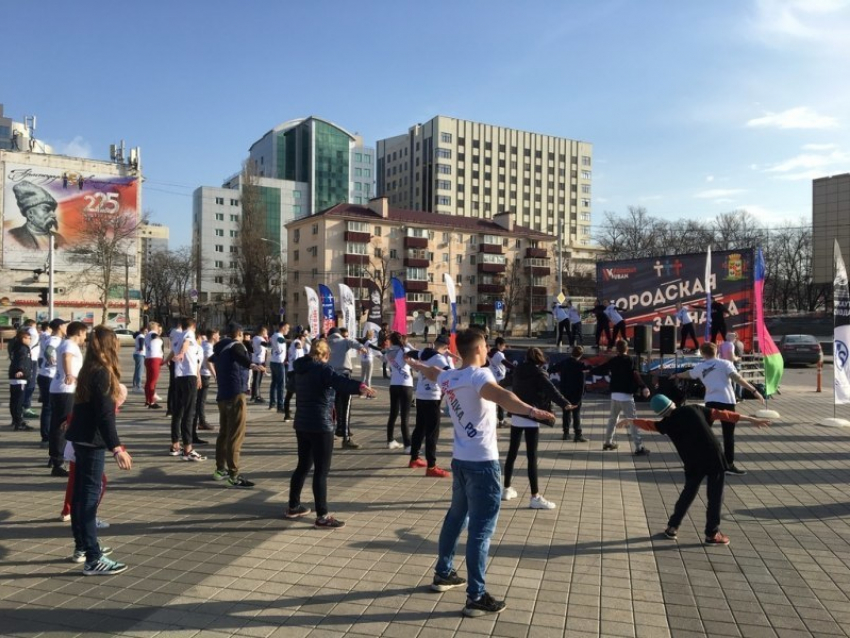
(830, 221)
(318, 250)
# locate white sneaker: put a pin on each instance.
(508, 493)
(394, 445)
(156, 398)
(64, 517)
(407, 450)
(540, 503)
(101, 524)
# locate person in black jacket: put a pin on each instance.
(532, 385)
(603, 324)
(689, 428)
(572, 372)
(625, 381)
(20, 368)
(92, 430)
(315, 384)
(231, 361)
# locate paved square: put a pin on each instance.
(207, 560)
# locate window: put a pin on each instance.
(234, 218)
(234, 249)
(352, 248)
(585, 203)
(585, 160)
(444, 153)
(219, 217)
(422, 297)
(296, 194)
(313, 250)
(295, 255)
(296, 209)
(233, 264)
(218, 279)
(358, 172)
(219, 264)
(315, 229)
(585, 217)
(367, 172)
(444, 169)
(219, 201)
(379, 253)
(234, 233)
(494, 240)
(416, 274)
(585, 188)
(472, 260)
(487, 258)
(296, 235)
(358, 157)
(378, 231)
(444, 200)
(219, 232)
(357, 227)
(393, 253)
(234, 202)
(445, 138)
(444, 185)
(367, 157)
(295, 276)
(459, 259)
(585, 174)
(445, 258)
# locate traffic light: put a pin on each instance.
(43, 296)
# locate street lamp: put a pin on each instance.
(280, 273)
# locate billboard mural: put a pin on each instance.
(648, 289)
(40, 200)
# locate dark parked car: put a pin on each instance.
(800, 349)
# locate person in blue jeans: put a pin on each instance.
(138, 358)
(472, 395)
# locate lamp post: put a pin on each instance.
(280, 273)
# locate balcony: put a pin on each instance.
(416, 286)
(536, 252)
(491, 268)
(357, 238)
(493, 249)
(486, 307)
(419, 306)
(356, 259)
(415, 262)
(415, 242)
(538, 290)
(355, 282)
(491, 288)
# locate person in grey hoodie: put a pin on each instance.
(342, 360)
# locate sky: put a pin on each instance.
(693, 108)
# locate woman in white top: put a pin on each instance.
(401, 390)
(69, 360)
(153, 363)
(367, 357)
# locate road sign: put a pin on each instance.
(499, 305)
(193, 294)
(561, 298)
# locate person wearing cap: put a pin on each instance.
(38, 207)
(230, 357)
(689, 428)
(46, 372)
(717, 376)
(428, 399)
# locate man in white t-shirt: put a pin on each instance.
(562, 323)
(69, 360)
(499, 366)
(617, 321)
(200, 422)
(717, 376)
(259, 348)
(46, 372)
(574, 317)
(277, 360)
(472, 395)
(187, 382)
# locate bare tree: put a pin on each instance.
(378, 270)
(516, 289)
(167, 282)
(107, 245)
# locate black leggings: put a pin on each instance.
(728, 430)
(183, 411)
(532, 435)
(688, 331)
(428, 428)
(619, 331)
(401, 396)
(603, 328)
(315, 450)
(718, 328)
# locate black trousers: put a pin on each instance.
(17, 395)
(44, 419)
(718, 328)
(603, 328)
(714, 493)
(728, 430)
(61, 404)
(619, 331)
(428, 428)
(315, 450)
(183, 412)
(169, 399)
(574, 417)
(576, 335)
(201, 404)
(256, 382)
(688, 331)
(290, 392)
(342, 406)
(564, 331)
(532, 436)
(401, 396)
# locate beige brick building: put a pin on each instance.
(830, 221)
(487, 258)
(457, 167)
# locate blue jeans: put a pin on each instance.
(139, 362)
(276, 389)
(88, 473)
(476, 499)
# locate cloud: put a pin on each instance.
(716, 193)
(770, 216)
(709, 178)
(601, 200)
(819, 147)
(812, 22)
(805, 163)
(77, 147)
(799, 117)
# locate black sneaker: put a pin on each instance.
(449, 582)
(197, 441)
(579, 439)
(329, 522)
(59, 471)
(23, 427)
(297, 512)
(641, 451)
(104, 567)
(240, 481)
(484, 605)
(610, 446)
(155, 406)
(735, 471)
(671, 532)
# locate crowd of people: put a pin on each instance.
(81, 394)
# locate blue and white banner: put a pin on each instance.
(841, 336)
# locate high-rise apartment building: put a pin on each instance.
(830, 221)
(458, 167)
(296, 169)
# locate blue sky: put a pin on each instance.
(693, 108)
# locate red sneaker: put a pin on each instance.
(417, 463)
(717, 539)
(437, 472)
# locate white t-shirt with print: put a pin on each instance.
(35, 343)
(296, 351)
(277, 345)
(191, 362)
(259, 354)
(715, 376)
(426, 389)
(497, 366)
(473, 418)
(58, 385)
(153, 346)
(400, 372)
(48, 360)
